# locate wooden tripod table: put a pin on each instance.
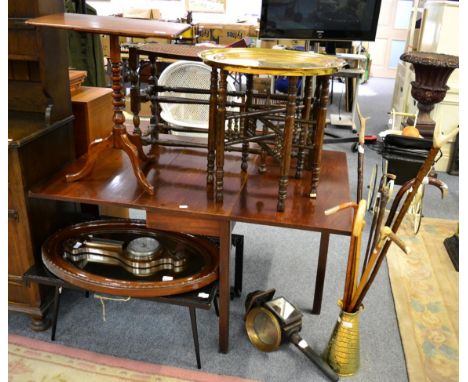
(288, 63)
(115, 27)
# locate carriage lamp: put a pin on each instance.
(270, 322)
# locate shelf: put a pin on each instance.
(22, 57)
(24, 127)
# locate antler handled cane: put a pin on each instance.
(385, 234)
(361, 142)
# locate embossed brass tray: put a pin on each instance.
(272, 61)
(124, 257)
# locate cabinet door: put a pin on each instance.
(20, 252)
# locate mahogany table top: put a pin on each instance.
(111, 25)
(179, 178)
(176, 51)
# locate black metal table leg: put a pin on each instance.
(57, 293)
(215, 303)
(193, 320)
(238, 242)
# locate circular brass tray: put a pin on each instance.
(272, 61)
(111, 274)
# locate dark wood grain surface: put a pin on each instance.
(179, 178)
(176, 51)
(111, 25)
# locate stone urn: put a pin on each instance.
(430, 87)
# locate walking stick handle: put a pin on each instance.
(386, 232)
(439, 139)
(340, 207)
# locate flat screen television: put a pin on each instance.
(329, 20)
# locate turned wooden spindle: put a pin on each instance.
(319, 133)
(305, 116)
(287, 142)
(135, 103)
(212, 127)
(249, 123)
(220, 122)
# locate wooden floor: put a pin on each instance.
(425, 290)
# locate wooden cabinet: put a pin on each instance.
(31, 161)
(93, 116)
(37, 62)
(40, 142)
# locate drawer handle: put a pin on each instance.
(13, 214)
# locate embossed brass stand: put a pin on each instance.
(343, 350)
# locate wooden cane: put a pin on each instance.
(385, 233)
(359, 224)
(351, 254)
(438, 142)
(406, 186)
(361, 142)
(385, 190)
(354, 246)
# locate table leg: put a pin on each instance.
(321, 269)
(238, 241)
(287, 142)
(224, 285)
(57, 293)
(154, 104)
(95, 148)
(313, 124)
(324, 83)
(220, 126)
(305, 116)
(193, 322)
(212, 126)
(247, 122)
(135, 103)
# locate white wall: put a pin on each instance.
(173, 9)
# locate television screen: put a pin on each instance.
(338, 20)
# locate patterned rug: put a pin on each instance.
(425, 290)
(33, 360)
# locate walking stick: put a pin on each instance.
(385, 234)
(438, 141)
(354, 247)
(385, 190)
(405, 187)
(361, 142)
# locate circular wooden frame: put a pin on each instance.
(55, 263)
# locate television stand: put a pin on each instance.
(353, 73)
